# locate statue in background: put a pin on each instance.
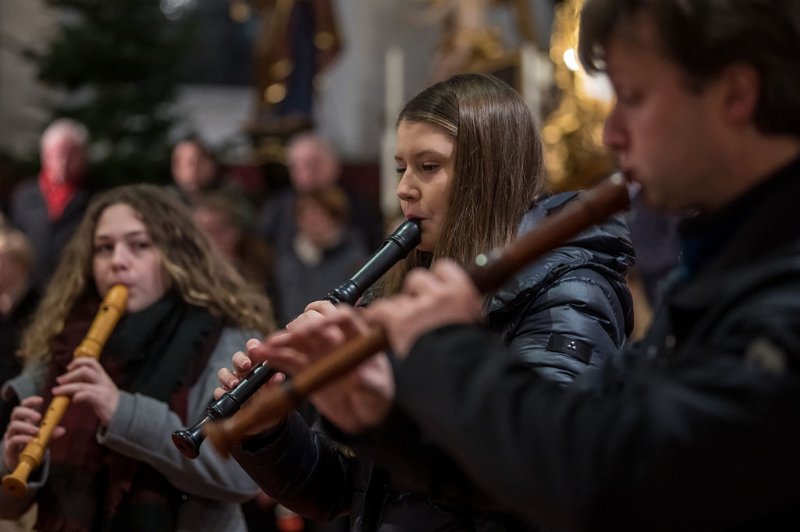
(574, 105)
(572, 132)
(297, 40)
(469, 42)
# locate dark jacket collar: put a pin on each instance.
(753, 231)
(606, 246)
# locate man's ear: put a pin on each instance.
(742, 85)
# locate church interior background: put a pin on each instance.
(261, 70)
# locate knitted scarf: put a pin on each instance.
(158, 352)
(57, 195)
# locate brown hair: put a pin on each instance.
(198, 272)
(705, 36)
(498, 165)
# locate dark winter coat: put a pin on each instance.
(697, 428)
(48, 237)
(569, 310)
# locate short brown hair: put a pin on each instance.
(705, 36)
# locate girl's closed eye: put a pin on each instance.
(100, 249)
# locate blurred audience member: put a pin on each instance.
(324, 251)
(312, 164)
(195, 169)
(48, 208)
(18, 297)
(229, 223)
(18, 300)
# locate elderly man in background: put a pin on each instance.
(49, 207)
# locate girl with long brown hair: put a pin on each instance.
(470, 167)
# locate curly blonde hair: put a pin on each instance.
(197, 271)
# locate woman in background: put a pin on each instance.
(325, 250)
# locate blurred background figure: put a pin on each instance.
(195, 169)
(49, 207)
(18, 297)
(296, 41)
(465, 35)
(229, 224)
(18, 300)
(313, 164)
(324, 251)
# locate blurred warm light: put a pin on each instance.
(597, 87)
(281, 69)
(239, 11)
(571, 60)
(572, 133)
(275, 93)
(324, 40)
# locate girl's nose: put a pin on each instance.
(614, 136)
(120, 257)
(405, 190)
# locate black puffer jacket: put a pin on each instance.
(569, 310)
(572, 307)
(695, 428)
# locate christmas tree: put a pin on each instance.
(119, 64)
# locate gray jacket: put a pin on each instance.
(140, 429)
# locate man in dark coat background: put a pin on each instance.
(49, 207)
